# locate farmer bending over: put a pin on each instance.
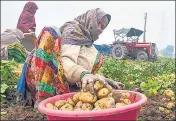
(64, 58)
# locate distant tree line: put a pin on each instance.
(168, 51)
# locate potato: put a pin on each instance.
(173, 98)
(76, 97)
(105, 103)
(79, 105)
(169, 93)
(170, 105)
(70, 101)
(60, 103)
(127, 101)
(67, 107)
(103, 93)
(100, 105)
(98, 85)
(126, 95)
(87, 97)
(77, 109)
(110, 95)
(97, 108)
(110, 104)
(49, 106)
(119, 105)
(111, 98)
(94, 100)
(86, 101)
(167, 111)
(97, 103)
(55, 108)
(87, 106)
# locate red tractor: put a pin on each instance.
(126, 45)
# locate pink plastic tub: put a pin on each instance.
(128, 112)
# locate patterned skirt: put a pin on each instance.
(43, 74)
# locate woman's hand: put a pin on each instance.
(90, 79)
(114, 84)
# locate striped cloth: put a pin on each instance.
(16, 52)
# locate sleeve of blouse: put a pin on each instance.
(69, 55)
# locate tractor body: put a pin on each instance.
(126, 45)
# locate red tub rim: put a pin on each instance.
(104, 112)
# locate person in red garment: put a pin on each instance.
(27, 24)
(65, 60)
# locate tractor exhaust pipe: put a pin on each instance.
(144, 39)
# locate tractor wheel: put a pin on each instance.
(119, 51)
(142, 56)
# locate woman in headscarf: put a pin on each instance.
(60, 63)
(27, 24)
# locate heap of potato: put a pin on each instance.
(103, 98)
(170, 102)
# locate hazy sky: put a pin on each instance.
(160, 18)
